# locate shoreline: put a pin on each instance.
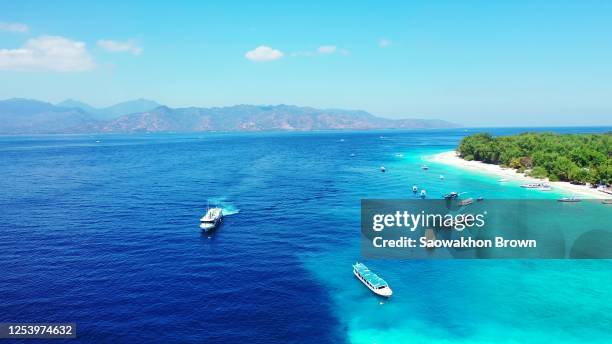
(451, 158)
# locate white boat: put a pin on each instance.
(382, 169)
(503, 180)
(466, 201)
(371, 280)
(451, 195)
(415, 188)
(441, 177)
(213, 217)
(423, 193)
(545, 188)
(535, 185)
(425, 167)
(572, 199)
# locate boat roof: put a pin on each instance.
(371, 277)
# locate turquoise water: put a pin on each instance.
(102, 230)
(515, 301)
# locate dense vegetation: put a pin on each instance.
(578, 158)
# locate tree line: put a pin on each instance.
(577, 158)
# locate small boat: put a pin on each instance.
(213, 217)
(371, 280)
(545, 188)
(415, 188)
(466, 201)
(423, 193)
(607, 201)
(425, 167)
(572, 199)
(451, 195)
(535, 185)
(503, 180)
(441, 177)
(480, 199)
(399, 155)
(352, 154)
(382, 169)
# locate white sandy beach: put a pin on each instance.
(451, 158)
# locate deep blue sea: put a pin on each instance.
(102, 230)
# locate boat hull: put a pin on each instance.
(386, 292)
(210, 226)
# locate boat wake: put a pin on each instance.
(221, 202)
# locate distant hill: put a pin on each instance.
(114, 111)
(24, 116)
(260, 118)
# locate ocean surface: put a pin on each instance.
(102, 230)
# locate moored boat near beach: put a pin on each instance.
(535, 185)
(451, 195)
(466, 201)
(572, 199)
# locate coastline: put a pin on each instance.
(451, 158)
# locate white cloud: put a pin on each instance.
(263, 53)
(117, 46)
(14, 27)
(383, 42)
(53, 53)
(327, 49)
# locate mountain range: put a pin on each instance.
(25, 116)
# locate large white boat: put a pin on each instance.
(535, 185)
(371, 280)
(213, 217)
(572, 199)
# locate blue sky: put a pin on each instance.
(479, 63)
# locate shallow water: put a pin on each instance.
(106, 234)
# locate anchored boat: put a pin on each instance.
(572, 199)
(371, 280)
(535, 185)
(451, 195)
(466, 201)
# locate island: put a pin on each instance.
(578, 163)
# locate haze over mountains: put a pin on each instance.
(25, 116)
(114, 111)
